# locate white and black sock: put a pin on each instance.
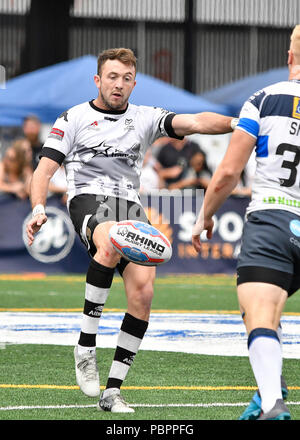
(129, 340)
(98, 282)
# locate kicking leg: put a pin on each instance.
(138, 282)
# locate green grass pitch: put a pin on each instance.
(37, 382)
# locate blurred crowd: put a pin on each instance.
(20, 159)
(170, 164)
(182, 164)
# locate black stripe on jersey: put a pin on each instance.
(168, 126)
(277, 105)
(53, 154)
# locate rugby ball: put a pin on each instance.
(140, 243)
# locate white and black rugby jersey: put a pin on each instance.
(272, 116)
(103, 151)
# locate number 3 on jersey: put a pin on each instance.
(290, 165)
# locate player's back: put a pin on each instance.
(272, 115)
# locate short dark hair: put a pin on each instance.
(32, 117)
(125, 56)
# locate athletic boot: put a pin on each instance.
(278, 412)
(114, 403)
(253, 410)
(87, 375)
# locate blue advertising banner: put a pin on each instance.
(175, 217)
(57, 248)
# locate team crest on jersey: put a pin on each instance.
(296, 107)
(128, 124)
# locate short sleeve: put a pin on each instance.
(157, 123)
(249, 118)
(61, 138)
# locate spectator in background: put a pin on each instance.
(24, 144)
(174, 157)
(31, 130)
(150, 177)
(16, 170)
(196, 175)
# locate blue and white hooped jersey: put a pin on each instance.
(272, 117)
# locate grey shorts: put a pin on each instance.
(270, 249)
(88, 210)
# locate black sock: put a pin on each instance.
(98, 282)
(129, 340)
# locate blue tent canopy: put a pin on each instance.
(49, 91)
(235, 94)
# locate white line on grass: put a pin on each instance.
(135, 405)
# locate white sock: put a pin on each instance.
(83, 350)
(266, 361)
(110, 391)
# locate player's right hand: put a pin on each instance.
(199, 227)
(34, 225)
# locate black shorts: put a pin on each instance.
(89, 210)
(270, 250)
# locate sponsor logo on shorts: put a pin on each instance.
(295, 241)
(295, 227)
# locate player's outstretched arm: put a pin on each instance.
(203, 123)
(38, 195)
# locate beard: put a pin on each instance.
(112, 106)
